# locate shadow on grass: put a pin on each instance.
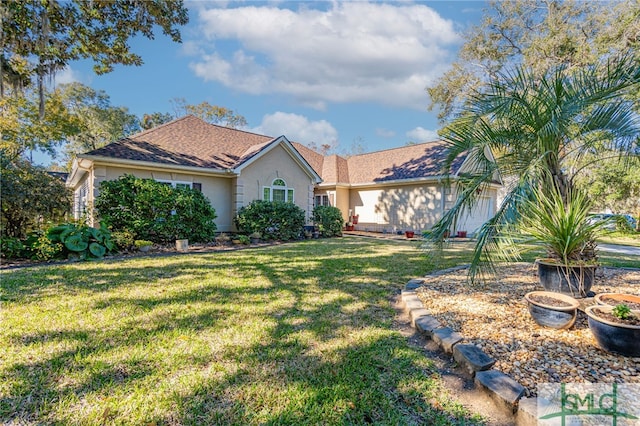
(293, 334)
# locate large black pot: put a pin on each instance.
(548, 315)
(622, 339)
(574, 281)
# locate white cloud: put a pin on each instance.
(420, 134)
(297, 128)
(67, 75)
(351, 52)
(385, 133)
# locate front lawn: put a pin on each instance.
(293, 334)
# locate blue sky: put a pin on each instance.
(322, 72)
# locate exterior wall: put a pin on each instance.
(277, 164)
(416, 207)
(392, 208)
(217, 189)
(342, 202)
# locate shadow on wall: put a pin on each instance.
(416, 209)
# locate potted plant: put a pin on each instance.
(143, 245)
(615, 328)
(613, 299)
(560, 225)
(551, 309)
(349, 226)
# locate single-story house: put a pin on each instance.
(394, 189)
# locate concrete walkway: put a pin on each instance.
(620, 249)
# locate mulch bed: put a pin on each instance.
(494, 316)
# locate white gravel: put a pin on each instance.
(494, 316)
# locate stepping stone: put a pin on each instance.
(446, 338)
(411, 303)
(502, 388)
(413, 284)
(417, 313)
(472, 358)
(426, 324)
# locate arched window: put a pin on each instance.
(278, 191)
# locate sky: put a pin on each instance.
(339, 73)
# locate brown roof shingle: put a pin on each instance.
(188, 141)
(407, 162)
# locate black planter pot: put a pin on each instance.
(574, 281)
(622, 339)
(558, 317)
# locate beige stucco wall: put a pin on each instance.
(275, 164)
(417, 207)
(390, 208)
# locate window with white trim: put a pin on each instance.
(278, 191)
(80, 201)
(176, 183)
(322, 200)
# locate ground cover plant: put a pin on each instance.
(299, 333)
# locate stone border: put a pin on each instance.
(502, 388)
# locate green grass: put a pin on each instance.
(292, 334)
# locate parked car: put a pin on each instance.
(615, 222)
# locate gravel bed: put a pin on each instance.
(494, 316)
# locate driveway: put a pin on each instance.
(615, 248)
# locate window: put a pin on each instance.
(322, 200)
(181, 184)
(80, 201)
(278, 191)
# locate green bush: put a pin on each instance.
(42, 248)
(154, 211)
(328, 220)
(81, 240)
(124, 240)
(12, 248)
(274, 220)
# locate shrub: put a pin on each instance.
(142, 243)
(154, 211)
(12, 248)
(42, 248)
(81, 239)
(274, 220)
(124, 240)
(243, 239)
(329, 220)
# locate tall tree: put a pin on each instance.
(46, 35)
(537, 34)
(99, 122)
(30, 196)
(535, 127)
(155, 119)
(213, 114)
(23, 130)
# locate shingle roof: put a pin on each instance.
(188, 141)
(407, 162)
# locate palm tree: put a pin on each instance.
(534, 129)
